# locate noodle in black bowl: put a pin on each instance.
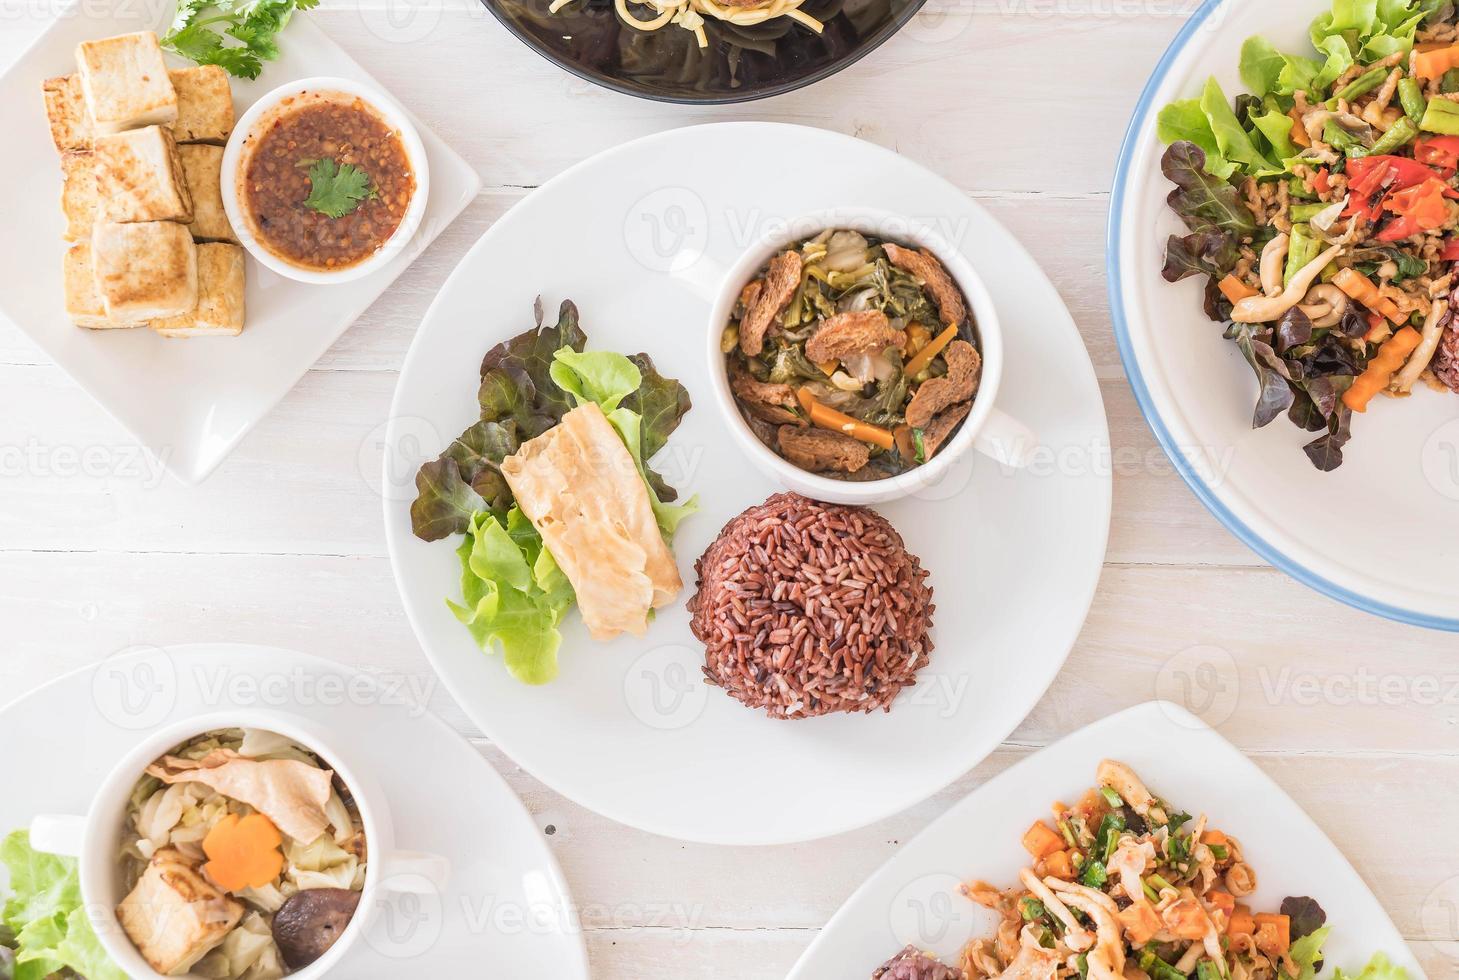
(738, 63)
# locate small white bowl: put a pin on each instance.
(244, 138)
(986, 429)
(96, 839)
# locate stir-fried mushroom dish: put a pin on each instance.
(1322, 208)
(1123, 886)
(853, 357)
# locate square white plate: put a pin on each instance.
(913, 898)
(188, 401)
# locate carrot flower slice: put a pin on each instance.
(243, 852)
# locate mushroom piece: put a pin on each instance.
(1076, 937)
(1274, 263)
(1428, 343)
(1263, 309)
(1324, 305)
(1128, 864)
(308, 924)
(1107, 958)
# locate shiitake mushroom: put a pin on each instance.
(308, 924)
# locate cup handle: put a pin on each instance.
(414, 872)
(1005, 439)
(52, 833)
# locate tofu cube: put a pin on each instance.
(78, 194)
(201, 165)
(219, 312)
(175, 916)
(83, 303)
(139, 177)
(146, 270)
(204, 104)
(126, 83)
(66, 111)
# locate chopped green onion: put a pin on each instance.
(1031, 908)
(1151, 893)
(1094, 875)
(1111, 797)
(1068, 833)
(1160, 883)
(1219, 852)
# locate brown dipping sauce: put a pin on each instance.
(276, 181)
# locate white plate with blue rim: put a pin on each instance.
(913, 899)
(505, 908)
(628, 728)
(1377, 533)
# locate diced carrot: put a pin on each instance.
(828, 368)
(1433, 64)
(1214, 837)
(924, 356)
(1381, 368)
(1041, 840)
(1242, 923)
(1322, 181)
(1360, 288)
(1059, 865)
(1222, 900)
(1281, 925)
(243, 853)
(1235, 290)
(1299, 131)
(1426, 46)
(829, 418)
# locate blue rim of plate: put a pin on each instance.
(1203, 492)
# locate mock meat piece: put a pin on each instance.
(960, 384)
(78, 194)
(126, 83)
(139, 177)
(84, 304)
(219, 312)
(66, 112)
(202, 165)
(204, 104)
(821, 450)
(846, 334)
(145, 271)
(175, 916)
(782, 279)
(924, 266)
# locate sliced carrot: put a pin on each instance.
(243, 853)
(1360, 288)
(1381, 368)
(1283, 925)
(1222, 900)
(1214, 837)
(1433, 64)
(1059, 865)
(1299, 131)
(828, 368)
(829, 418)
(1322, 181)
(1242, 923)
(1235, 290)
(1040, 840)
(924, 357)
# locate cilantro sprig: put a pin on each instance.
(202, 30)
(335, 190)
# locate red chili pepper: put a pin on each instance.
(1438, 151)
(1419, 209)
(1451, 251)
(1321, 181)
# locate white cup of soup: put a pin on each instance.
(982, 427)
(325, 180)
(100, 839)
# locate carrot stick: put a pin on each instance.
(829, 418)
(1299, 131)
(1235, 290)
(1358, 287)
(924, 357)
(1433, 64)
(1381, 368)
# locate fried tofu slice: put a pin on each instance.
(175, 916)
(201, 165)
(126, 83)
(219, 312)
(78, 194)
(204, 104)
(67, 113)
(139, 177)
(145, 270)
(83, 303)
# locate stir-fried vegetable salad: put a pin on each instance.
(1122, 884)
(854, 357)
(1321, 208)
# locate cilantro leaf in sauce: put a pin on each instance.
(335, 190)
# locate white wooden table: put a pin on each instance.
(1023, 104)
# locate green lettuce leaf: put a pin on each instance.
(1307, 952)
(44, 911)
(1378, 968)
(600, 377)
(1262, 66)
(1232, 140)
(1185, 122)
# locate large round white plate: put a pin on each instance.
(629, 729)
(913, 898)
(1378, 533)
(506, 910)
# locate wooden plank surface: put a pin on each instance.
(1357, 718)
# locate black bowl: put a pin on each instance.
(740, 64)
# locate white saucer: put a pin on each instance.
(634, 237)
(506, 910)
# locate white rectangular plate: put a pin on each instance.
(913, 898)
(188, 401)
